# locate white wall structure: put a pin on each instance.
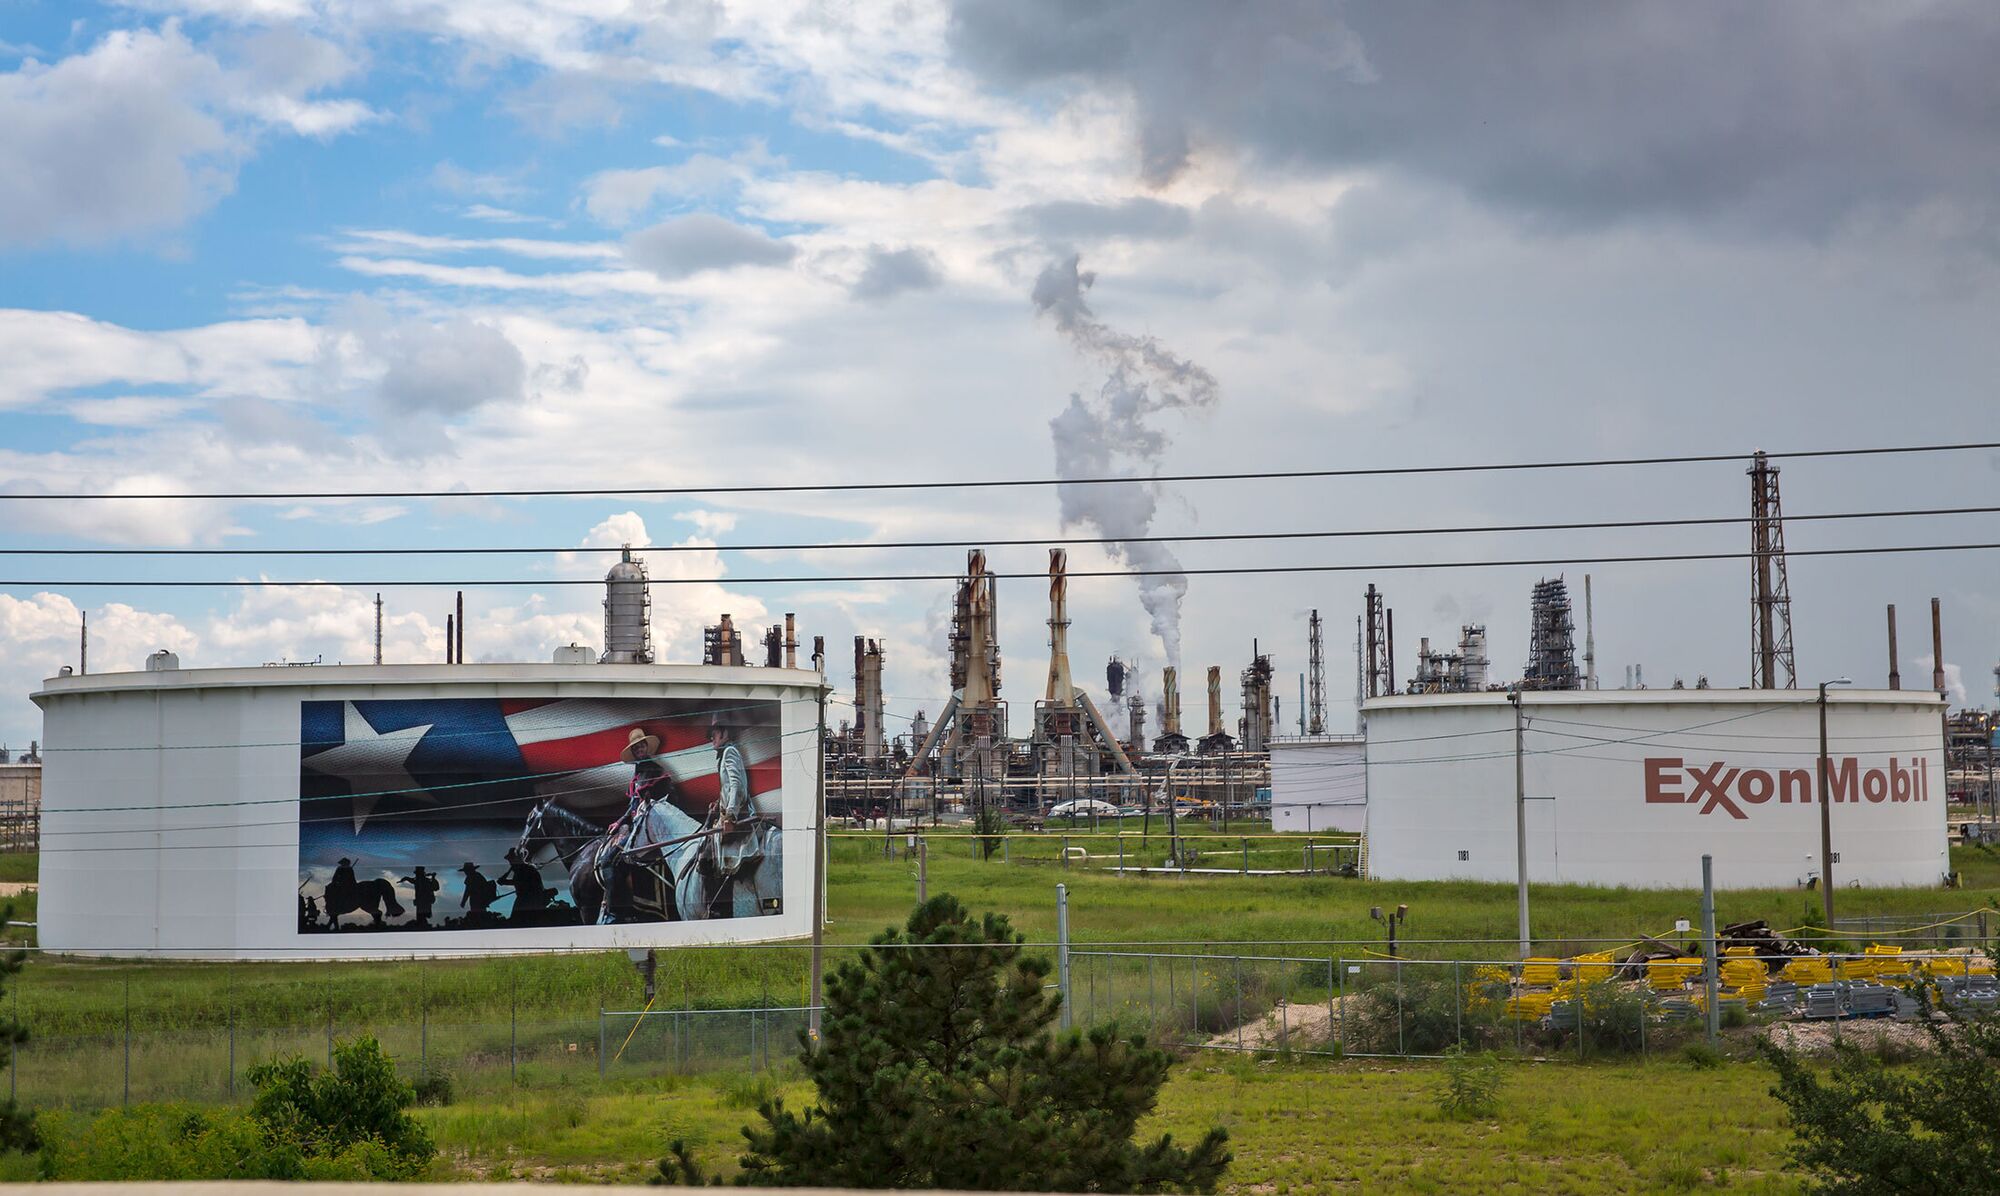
(1319, 783)
(172, 801)
(1632, 787)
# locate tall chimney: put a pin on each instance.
(791, 642)
(83, 647)
(449, 649)
(1215, 699)
(458, 650)
(1389, 633)
(1895, 677)
(1170, 701)
(1937, 648)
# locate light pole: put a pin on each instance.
(1391, 921)
(1520, 822)
(1826, 811)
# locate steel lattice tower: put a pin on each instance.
(1315, 679)
(1551, 639)
(1770, 593)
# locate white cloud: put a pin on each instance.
(145, 130)
(617, 197)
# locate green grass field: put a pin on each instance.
(521, 1034)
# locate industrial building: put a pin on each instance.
(1633, 787)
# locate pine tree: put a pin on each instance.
(1865, 1127)
(940, 1069)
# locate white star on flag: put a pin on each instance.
(374, 763)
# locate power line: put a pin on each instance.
(1001, 542)
(841, 579)
(999, 483)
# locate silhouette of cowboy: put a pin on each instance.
(480, 891)
(531, 892)
(426, 885)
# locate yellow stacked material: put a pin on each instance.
(1946, 965)
(1529, 1007)
(1541, 971)
(1738, 952)
(1856, 968)
(1673, 973)
(1887, 966)
(1742, 973)
(1594, 966)
(1808, 970)
(1977, 965)
(1489, 974)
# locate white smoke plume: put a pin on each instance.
(1114, 434)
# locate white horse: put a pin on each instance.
(710, 872)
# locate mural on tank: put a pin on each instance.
(436, 814)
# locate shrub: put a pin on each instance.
(1863, 1126)
(358, 1104)
(1472, 1084)
(433, 1087)
(159, 1143)
(1426, 1007)
(1613, 1017)
(1701, 1056)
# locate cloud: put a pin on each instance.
(146, 130)
(618, 197)
(691, 244)
(890, 272)
(1788, 117)
(1137, 219)
(452, 367)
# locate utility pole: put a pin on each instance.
(83, 647)
(1709, 964)
(1826, 811)
(819, 861)
(1520, 820)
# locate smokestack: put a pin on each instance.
(819, 654)
(1589, 640)
(450, 648)
(458, 652)
(83, 647)
(1170, 701)
(1389, 633)
(1937, 648)
(378, 629)
(1215, 699)
(791, 642)
(1895, 676)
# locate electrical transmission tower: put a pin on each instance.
(1771, 594)
(1315, 679)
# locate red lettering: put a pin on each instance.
(1756, 786)
(1840, 781)
(1715, 784)
(1901, 780)
(1795, 780)
(1874, 785)
(1659, 774)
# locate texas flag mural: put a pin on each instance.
(411, 808)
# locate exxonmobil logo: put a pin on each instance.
(1718, 785)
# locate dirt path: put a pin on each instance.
(1297, 1025)
(14, 888)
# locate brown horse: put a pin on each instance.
(366, 896)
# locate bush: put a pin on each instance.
(1472, 1085)
(158, 1143)
(358, 1104)
(1613, 1018)
(434, 1087)
(1428, 1008)
(1701, 1056)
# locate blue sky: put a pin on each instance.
(437, 244)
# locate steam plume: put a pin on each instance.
(1114, 435)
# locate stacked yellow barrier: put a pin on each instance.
(1539, 971)
(1529, 1007)
(1594, 966)
(1672, 973)
(1745, 978)
(1887, 966)
(1808, 969)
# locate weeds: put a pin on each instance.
(1472, 1084)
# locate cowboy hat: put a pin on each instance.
(468, 866)
(638, 737)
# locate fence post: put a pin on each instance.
(923, 869)
(600, 1040)
(1708, 970)
(1062, 948)
(513, 1023)
(229, 999)
(1457, 1003)
(128, 1040)
(1121, 853)
(1340, 982)
(1246, 855)
(329, 1029)
(1239, 1002)
(1065, 849)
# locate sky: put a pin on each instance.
(448, 245)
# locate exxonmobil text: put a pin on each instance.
(1721, 786)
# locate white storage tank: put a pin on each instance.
(346, 811)
(1632, 787)
(1319, 783)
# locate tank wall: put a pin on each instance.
(172, 819)
(1634, 793)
